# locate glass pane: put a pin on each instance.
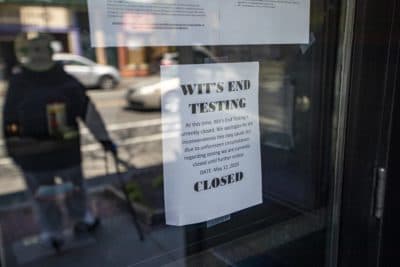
(66, 200)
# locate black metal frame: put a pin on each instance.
(390, 246)
(372, 86)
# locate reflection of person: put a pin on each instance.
(41, 112)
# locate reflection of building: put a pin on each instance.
(69, 24)
(57, 20)
(139, 61)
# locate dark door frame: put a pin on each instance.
(390, 246)
(375, 60)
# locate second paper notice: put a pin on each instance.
(211, 140)
(137, 23)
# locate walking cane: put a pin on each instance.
(126, 193)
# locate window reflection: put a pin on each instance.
(122, 92)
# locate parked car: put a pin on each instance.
(147, 95)
(89, 73)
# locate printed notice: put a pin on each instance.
(264, 21)
(136, 23)
(211, 153)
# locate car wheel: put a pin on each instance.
(107, 82)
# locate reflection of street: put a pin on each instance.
(137, 133)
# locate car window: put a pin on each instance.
(200, 58)
(73, 63)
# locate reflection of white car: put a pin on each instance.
(89, 73)
(148, 95)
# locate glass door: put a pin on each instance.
(108, 208)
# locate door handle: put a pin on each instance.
(380, 193)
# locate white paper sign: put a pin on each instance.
(137, 23)
(211, 153)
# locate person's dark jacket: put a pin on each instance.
(28, 95)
